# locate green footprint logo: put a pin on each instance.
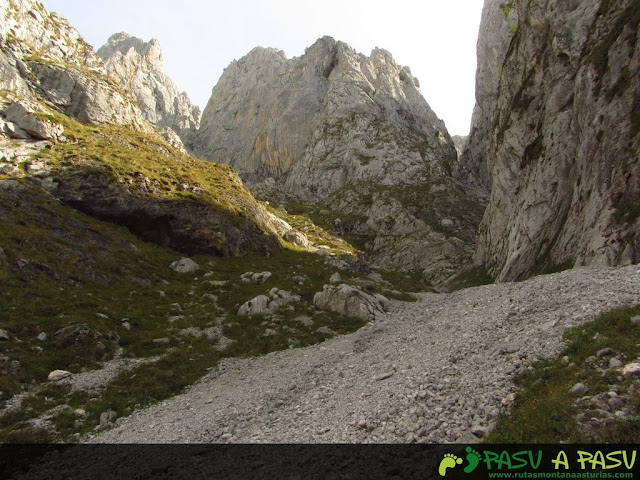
(449, 461)
(473, 457)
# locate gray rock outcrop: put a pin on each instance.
(319, 119)
(558, 121)
(139, 67)
(349, 301)
(493, 44)
(25, 118)
(43, 58)
(269, 304)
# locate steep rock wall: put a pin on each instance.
(562, 147)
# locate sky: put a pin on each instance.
(199, 38)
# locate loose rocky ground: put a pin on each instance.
(439, 370)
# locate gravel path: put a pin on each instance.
(431, 371)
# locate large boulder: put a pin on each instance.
(349, 301)
(184, 265)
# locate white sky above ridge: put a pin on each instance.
(199, 38)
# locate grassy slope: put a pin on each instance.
(63, 268)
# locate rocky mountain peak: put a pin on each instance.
(350, 132)
(150, 52)
(139, 67)
(290, 98)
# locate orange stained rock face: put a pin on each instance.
(273, 153)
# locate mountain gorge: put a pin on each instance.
(354, 135)
(308, 193)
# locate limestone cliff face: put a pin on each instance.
(43, 58)
(562, 137)
(352, 133)
(139, 67)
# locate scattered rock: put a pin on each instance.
(269, 332)
(13, 131)
(102, 316)
(297, 238)
(636, 319)
(256, 306)
(81, 413)
(4, 336)
(57, 375)
(509, 348)
(42, 336)
(480, 432)
(446, 222)
(335, 278)
(604, 352)
(76, 334)
(326, 330)
(8, 366)
(631, 369)
(615, 363)
(26, 119)
(280, 299)
(434, 401)
(257, 278)
(384, 376)
(384, 301)
(268, 304)
(579, 389)
(348, 301)
(161, 341)
(304, 320)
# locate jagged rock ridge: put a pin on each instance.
(558, 110)
(354, 134)
(139, 66)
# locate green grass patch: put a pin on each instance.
(507, 7)
(627, 212)
(470, 277)
(546, 412)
